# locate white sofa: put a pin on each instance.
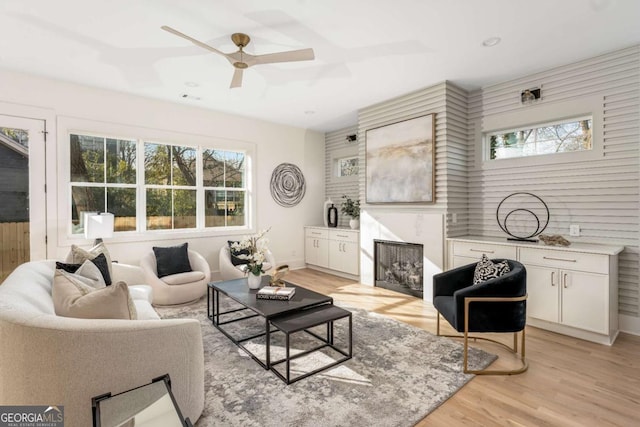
(50, 360)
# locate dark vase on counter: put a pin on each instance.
(332, 216)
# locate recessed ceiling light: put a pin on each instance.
(191, 84)
(491, 41)
(309, 112)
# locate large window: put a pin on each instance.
(166, 187)
(559, 137)
(103, 179)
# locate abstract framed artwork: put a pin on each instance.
(400, 161)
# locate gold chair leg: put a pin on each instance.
(524, 364)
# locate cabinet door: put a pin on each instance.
(459, 261)
(543, 289)
(316, 252)
(343, 256)
(585, 301)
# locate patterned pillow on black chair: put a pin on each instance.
(487, 269)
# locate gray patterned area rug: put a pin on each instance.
(398, 375)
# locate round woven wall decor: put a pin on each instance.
(287, 185)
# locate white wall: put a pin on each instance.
(36, 97)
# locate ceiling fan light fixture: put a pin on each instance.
(241, 60)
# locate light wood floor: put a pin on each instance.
(570, 382)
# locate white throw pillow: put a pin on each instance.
(71, 300)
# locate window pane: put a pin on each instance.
(213, 168)
(184, 208)
(223, 169)
(121, 161)
(158, 209)
(223, 211)
(234, 170)
(87, 158)
(549, 139)
(184, 166)
(85, 199)
(235, 208)
(121, 202)
(348, 166)
(214, 209)
(157, 164)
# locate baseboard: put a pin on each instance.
(629, 324)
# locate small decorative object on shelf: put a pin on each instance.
(554, 240)
(255, 248)
(523, 204)
(276, 279)
(332, 216)
(352, 209)
(325, 211)
(276, 292)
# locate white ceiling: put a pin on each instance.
(366, 51)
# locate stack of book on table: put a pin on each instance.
(276, 292)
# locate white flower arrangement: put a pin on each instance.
(256, 245)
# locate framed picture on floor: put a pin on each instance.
(400, 161)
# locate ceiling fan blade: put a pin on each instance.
(290, 56)
(192, 40)
(236, 81)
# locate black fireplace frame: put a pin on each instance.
(386, 285)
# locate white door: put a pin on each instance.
(22, 192)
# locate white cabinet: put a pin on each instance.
(316, 247)
(580, 282)
(335, 249)
(344, 247)
(571, 290)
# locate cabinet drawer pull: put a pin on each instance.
(316, 233)
(480, 250)
(559, 259)
(342, 235)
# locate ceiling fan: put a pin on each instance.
(241, 60)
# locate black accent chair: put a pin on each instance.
(496, 305)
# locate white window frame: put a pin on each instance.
(336, 156)
(72, 125)
(486, 138)
(533, 115)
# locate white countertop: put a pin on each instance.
(592, 248)
(322, 227)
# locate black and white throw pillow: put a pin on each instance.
(487, 269)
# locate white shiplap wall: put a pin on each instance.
(336, 146)
(601, 193)
(449, 104)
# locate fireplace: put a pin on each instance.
(399, 266)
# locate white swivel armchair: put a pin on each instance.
(177, 288)
(228, 271)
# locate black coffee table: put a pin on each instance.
(239, 291)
